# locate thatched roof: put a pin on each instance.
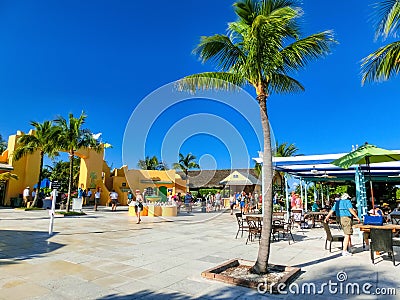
(213, 178)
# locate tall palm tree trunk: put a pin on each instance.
(71, 167)
(261, 265)
(39, 180)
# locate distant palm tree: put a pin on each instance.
(3, 145)
(71, 137)
(384, 62)
(185, 164)
(261, 48)
(151, 163)
(43, 140)
(284, 149)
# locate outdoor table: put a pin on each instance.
(315, 215)
(367, 228)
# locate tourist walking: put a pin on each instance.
(26, 194)
(88, 196)
(138, 205)
(232, 203)
(344, 210)
(218, 199)
(188, 202)
(114, 200)
(97, 196)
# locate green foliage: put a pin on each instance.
(284, 149)
(398, 194)
(60, 172)
(384, 62)
(204, 192)
(152, 163)
(186, 163)
(70, 213)
(3, 144)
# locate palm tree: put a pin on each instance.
(384, 62)
(3, 145)
(285, 149)
(152, 163)
(185, 164)
(42, 140)
(260, 50)
(72, 137)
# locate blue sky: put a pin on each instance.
(105, 57)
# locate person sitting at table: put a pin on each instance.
(344, 210)
(316, 206)
(376, 211)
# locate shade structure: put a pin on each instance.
(365, 155)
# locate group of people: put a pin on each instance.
(246, 202)
(213, 202)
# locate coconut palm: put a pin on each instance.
(262, 47)
(151, 163)
(3, 145)
(284, 149)
(72, 137)
(185, 164)
(42, 139)
(384, 62)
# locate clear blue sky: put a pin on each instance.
(105, 57)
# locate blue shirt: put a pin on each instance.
(341, 208)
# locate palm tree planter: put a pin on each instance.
(257, 52)
(236, 272)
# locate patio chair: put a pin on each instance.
(381, 240)
(241, 224)
(255, 228)
(285, 228)
(331, 238)
(395, 219)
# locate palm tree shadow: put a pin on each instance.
(20, 245)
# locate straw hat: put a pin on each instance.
(345, 196)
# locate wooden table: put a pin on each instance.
(367, 228)
(313, 215)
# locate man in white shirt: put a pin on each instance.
(26, 195)
(114, 200)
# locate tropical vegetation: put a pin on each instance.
(152, 163)
(3, 144)
(261, 49)
(384, 62)
(71, 137)
(186, 163)
(43, 140)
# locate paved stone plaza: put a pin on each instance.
(106, 255)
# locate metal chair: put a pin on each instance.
(395, 219)
(331, 238)
(242, 226)
(255, 228)
(285, 228)
(381, 240)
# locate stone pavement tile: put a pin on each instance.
(91, 274)
(136, 273)
(165, 264)
(112, 281)
(113, 267)
(26, 290)
(51, 270)
(132, 288)
(191, 287)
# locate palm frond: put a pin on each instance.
(381, 64)
(388, 17)
(281, 83)
(7, 176)
(220, 49)
(301, 52)
(211, 81)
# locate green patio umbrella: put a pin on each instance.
(365, 155)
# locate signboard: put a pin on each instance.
(55, 185)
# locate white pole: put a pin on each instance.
(305, 192)
(287, 197)
(301, 189)
(52, 210)
(322, 196)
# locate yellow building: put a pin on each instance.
(94, 173)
